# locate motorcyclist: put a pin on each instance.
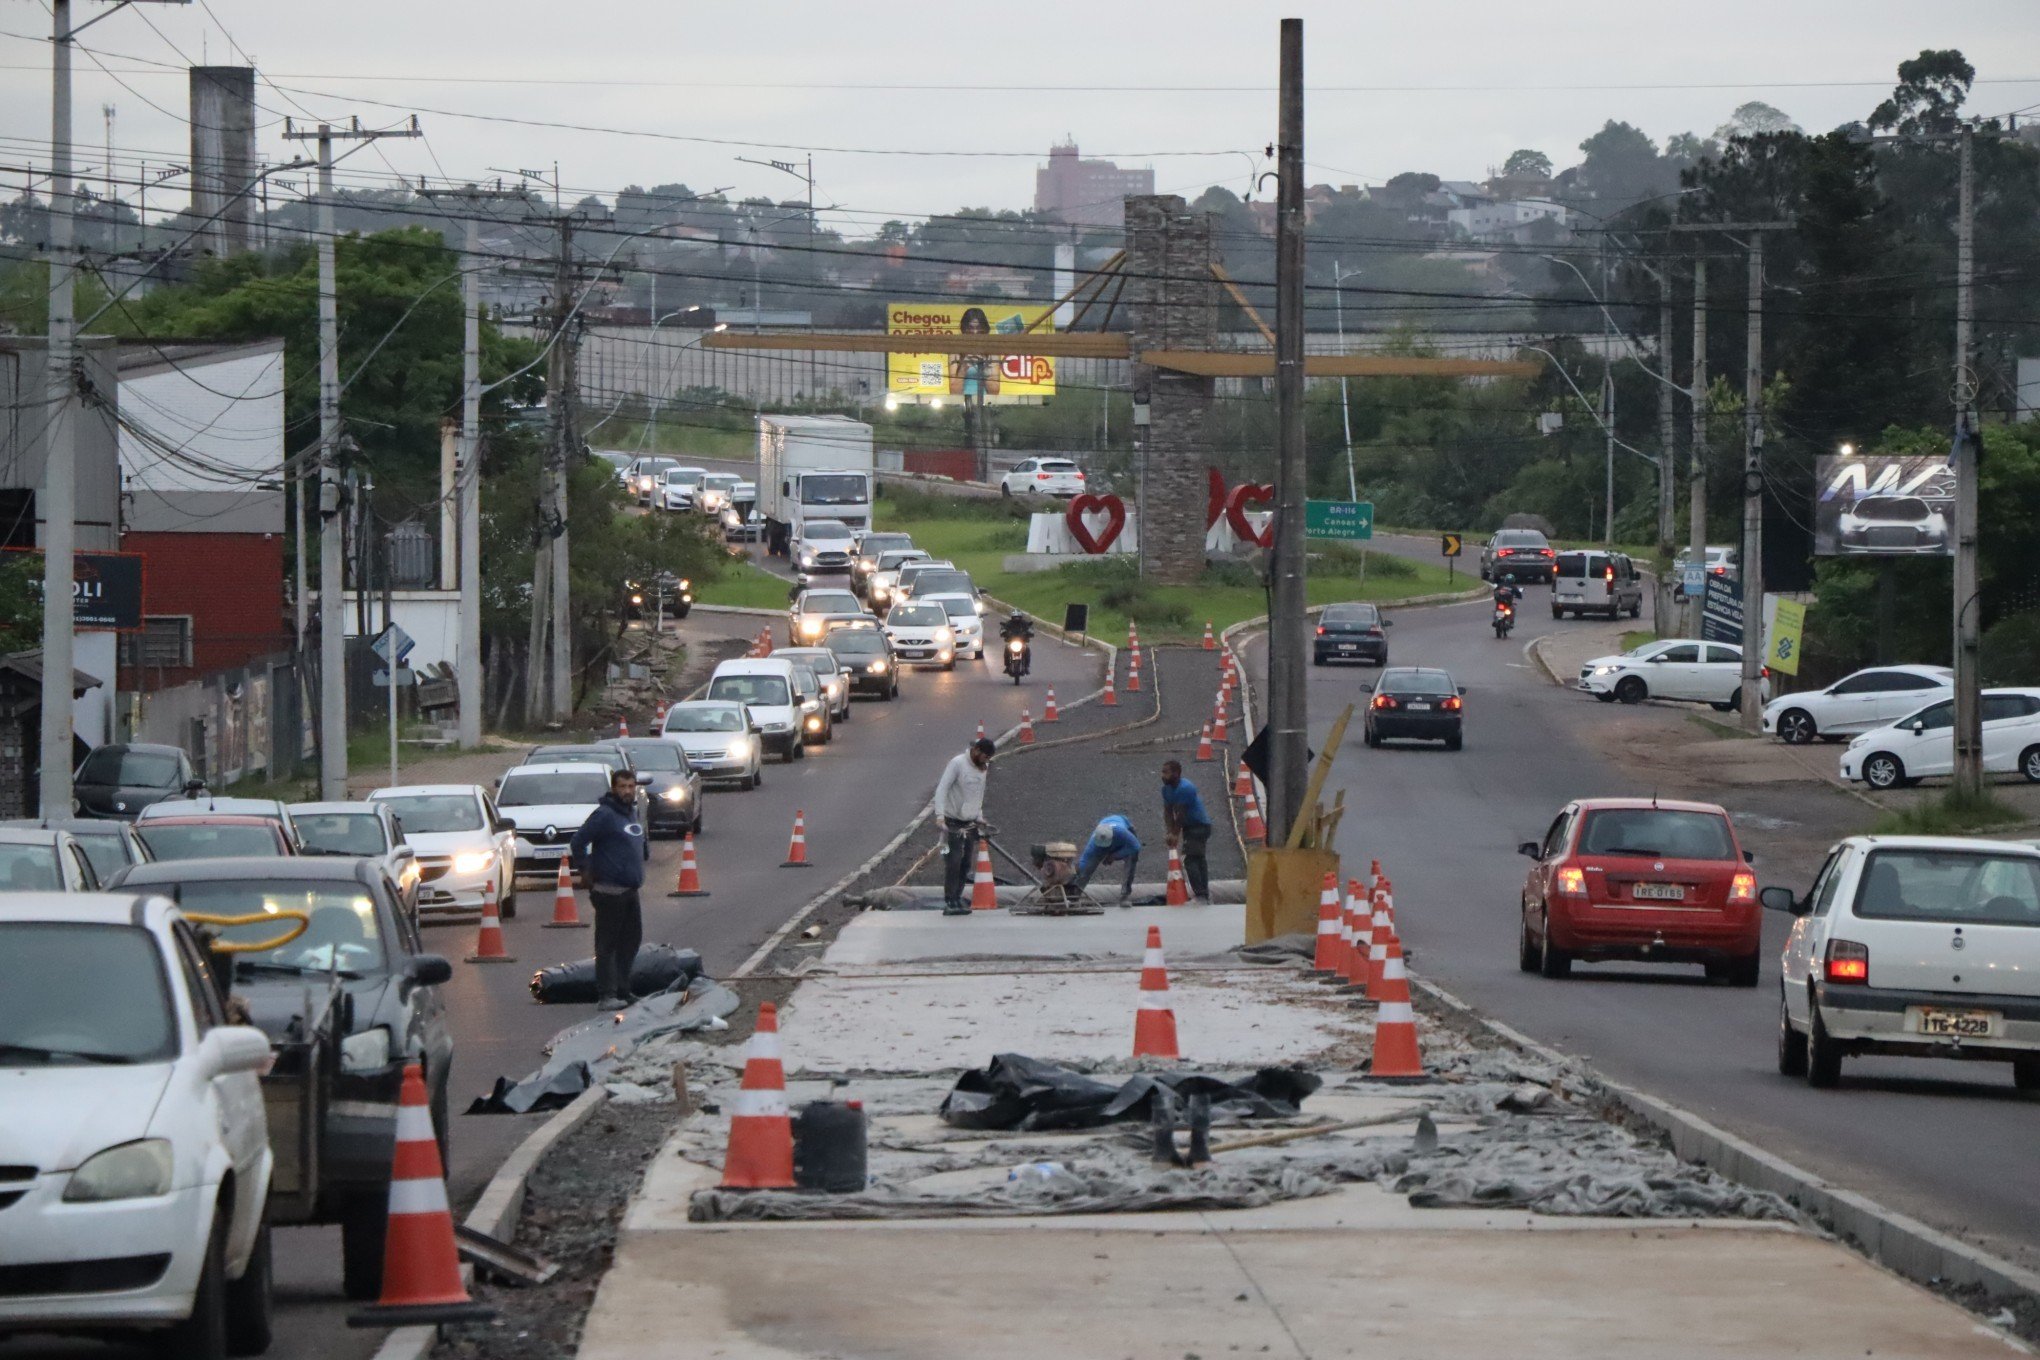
(1018, 628)
(1507, 591)
(1017, 625)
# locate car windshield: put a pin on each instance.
(1661, 833)
(107, 854)
(1905, 508)
(602, 755)
(548, 787)
(918, 616)
(341, 833)
(42, 1023)
(1350, 616)
(1961, 886)
(344, 931)
(957, 607)
(875, 545)
(208, 840)
(1417, 682)
(826, 531)
(762, 691)
(856, 642)
(655, 467)
(616, 460)
(683, 476)
(838, 489)
(1052, 465)
(820, 660)
(830, 602)
(430, 814)
(130, 769)
(1520, 538)
(893, 561)
(942, 583)
(704, 719)
(662, 755)
(29, 868)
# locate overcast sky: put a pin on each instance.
(878, 92)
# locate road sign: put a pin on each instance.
(1450, 545)
(1695, 578)
(1721, 611)
(394, 645)
(405, 676)
(1788, 631)
(1349, 520)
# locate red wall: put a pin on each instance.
(960, 464)
(232, 586)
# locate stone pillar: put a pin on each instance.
(1172, 301)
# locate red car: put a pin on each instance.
(214, 835)
(1642, 879)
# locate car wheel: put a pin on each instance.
(800, 750)
(1883, 770)
(893, 693)
(1316, 660)
(1743, 972)
(506, 898)
(949, 665)
(1367, 737)
(757, 777)
(1791, 1043)
(1636, 610)
(1823, 1055)
(1006, 491)
(1557, 613)
(1630, 689)
(364, 1225)
(1605, 697)
(2029, 764)
(844, 716)
(1526, 948)
(1552, 962)
(203, 1334)
(1453, 743)
(2026, 1073)
(251, 1309)
(1797, 727)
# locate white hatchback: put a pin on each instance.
(1043, 477)
(1676, 668)
(1856, 703)
(1920, 946)
(1923, 743)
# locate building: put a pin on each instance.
(223, 160)
(1509, 220)
(1086, 193)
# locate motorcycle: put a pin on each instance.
(1505, 618)
(1019, 657)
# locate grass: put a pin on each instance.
(1636, 637)
(742, 586)
(1720, 731)
(1949, 813)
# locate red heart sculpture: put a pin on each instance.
(1214, 500)
(1115, 513)
(1236, 513)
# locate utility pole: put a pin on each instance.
(1753, 497)
(1696, 472)
(332, 620)
(548, 682)
(60, 467)
(1345, 406)
(1288, 712)
(1608, 398)
(1968, 770)
(1668, 417)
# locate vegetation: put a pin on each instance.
(1950, 813)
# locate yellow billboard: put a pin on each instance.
(996, 378)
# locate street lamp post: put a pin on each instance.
(1339, 278)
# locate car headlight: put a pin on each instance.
(368, 1051)
(814, 722)
(472, 862)
(876, 668)
(1606, 670)
(978, 605)
(943, 636)
(740, 749)
(135, 1170)
(676, 793)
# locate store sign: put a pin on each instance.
(106, 589)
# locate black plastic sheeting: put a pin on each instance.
(1019, 1092)
(582, 1055)
(657, 968)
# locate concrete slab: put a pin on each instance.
(912, 936)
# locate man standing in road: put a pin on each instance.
(1189, 826)
(610, 848)
(960, 803)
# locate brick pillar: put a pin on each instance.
(1173, 304)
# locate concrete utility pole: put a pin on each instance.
(332, 620)
(548, 682)
(1668, 417)
(1696, 473)
(1608, 399)
(1753, 497)
(1288, 711)
(1968, 770)
(1345, 404)
(60, 475)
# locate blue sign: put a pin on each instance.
(1721, 611)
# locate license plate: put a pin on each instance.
(1932, 1020)
(915, 653)
(1570, 596)
(548, 851)
(1658, 892)
(1420, 708)
(1349, 646)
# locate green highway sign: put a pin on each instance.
(1338, 519)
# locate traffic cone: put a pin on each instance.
(1133, 672)
(1218, 725)
(1257, 830)
(980, 732)
(1176, 888)
(690, 872)
(1108, 699)
(1154, 1024)
(1210, 642)
(796, 851)
(1048, 713)
(1204, 743)
(1325, 962)
(1132, 636)
(760, 1154)
(1359, 934)
(1243, 782)
(1377, 951)
(489, 943)
(565, 915)
(1026, 728)
(622, 728)
(1387, 900)
(659, 717)
(1397, 1057)
(421, 1265)
(984, 890)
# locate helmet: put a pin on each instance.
(1103, 835)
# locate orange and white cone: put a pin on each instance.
(1154, 1024)
(1176, 888)
(1048, 713)
(760, 1154)
(1325, 961)
(984, 889)
(1359, 932)
(659, 717)
(1204, 743)
(1387, 900)
(1243, 782)
(1365, 937)
(1132, 636)
(1108, 699)
(622, 728)
(766, 646)
(1210, 642)
(421, 1265)
(1257, 830)
(796, 849)
(566, 916)
(980, 733)
(690, 871)
(1397, 1056)
(1377, 951)
(1026, 727)
(489, 942)
(1218, 725)
(1133, 672)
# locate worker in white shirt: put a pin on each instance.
(960, 803)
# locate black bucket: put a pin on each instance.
(828, 1147)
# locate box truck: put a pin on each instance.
(812, 467)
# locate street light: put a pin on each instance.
(651, 350)
(1339, 278)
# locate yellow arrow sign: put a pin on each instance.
(1451, 545)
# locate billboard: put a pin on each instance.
(106, 589)
(1007, 378)
(1868, 506)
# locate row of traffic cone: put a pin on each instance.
(1357, 945)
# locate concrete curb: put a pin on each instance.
(738, 609)
(1534, 649)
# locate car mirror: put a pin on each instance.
(227, 1049)
(1749, 857)
(427, 970)
(1781, 899)
(1530, 849)
(504, 824)
(1388, 623)
(1462, 691)
(1916, 726)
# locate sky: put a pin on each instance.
(909, 110)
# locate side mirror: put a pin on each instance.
(1748, 857)
(1462, 691)
(1917, 725)
(503, 823)
(228, 1049)
(427, 970)
(1782, 899)
(1530, 850)
(644, 780)
(801, 579)
(1388, 623)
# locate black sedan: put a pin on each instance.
(672, 787)
(1416, 704)
(119, 781)
(1351, 632)
(867, 655)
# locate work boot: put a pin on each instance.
(611, 1003)
(955, 909)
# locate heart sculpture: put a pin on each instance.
(1214, 499)
(1236, 513)
(1114, 510)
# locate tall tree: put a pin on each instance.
(1527, 162)
(1931, 90)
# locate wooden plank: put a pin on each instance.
(1207, 364)
(1062, 345)
(1095, 278)
(1303, 824)
(1218, 271)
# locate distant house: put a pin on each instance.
(1509, 220)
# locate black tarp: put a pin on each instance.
(1019, 1092)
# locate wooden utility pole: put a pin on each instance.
(1668, 417)
(1288, 711)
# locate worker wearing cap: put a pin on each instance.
(1111, 840)
(960, 803)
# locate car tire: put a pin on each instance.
(1605, 697)
(844, 716)
(2029, 764)
(2026, 1074)
(1823, 1054)
(202, 1335)
(506, 898)
(1636, 610)
(1557, 613)
(757, 777)
(1796, 727)
(1316, 660)
(949, 665)
(364, 1225)
(1367, 737)
(1883, 771)
(1454, 743)
(1005, 490)
(1552, 962)
(251, 1305)
(1791, 1043)
(1630, 689)
(1526, 948)
(800, 750)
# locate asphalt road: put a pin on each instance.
(1951, 1144)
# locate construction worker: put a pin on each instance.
(1189, 826)
(1111, 840)
(610, 848)
(960, 803)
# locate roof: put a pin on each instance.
(77, 826)
(360, 805)
(699, 703)
(424, 790)
(316, 868)
(750, 665)
(138, 358)
(29, 666)
(200, 817)
(28, 835)
(561, 767)
(209, 802)
(95, 908)
(1946, 843)
(1647, 804)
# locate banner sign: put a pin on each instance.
(106, 589)
(995, 378)
(1721, 611)
(1865, 506)
(1788, 634)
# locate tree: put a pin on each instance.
(1754, 118)
(1930, 93)
(1527, 163)
(1689, 149)
(1623, 164)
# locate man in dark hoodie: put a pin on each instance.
(610, 848)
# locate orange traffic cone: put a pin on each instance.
(659, 717)
(565, 915)
(984, 890)
(1026, 728)
(1257, 830)
(796, 851)
(421, 1265)
(489, 943)
(1154, 1024)
(622, 728)
(1133, 672)
(1397, 1057)
(690, 872)
(1204, 743)
(1132, 635)
(1048, 713)
(765, 642)
(760, 1155)
(1377, 952)
(1243, 782)
(1176, 888)
(1359, 932)
(1108, 699)
(1218, 724)
(1364, 939)
(1210, 642)
(1325, 961)
(1387, 900)
(980, 733)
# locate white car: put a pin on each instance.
(823, 545)
(1920, 946)
(764, 686)
(134, 1150)
(365, 830)
(1892, 524)
(965, 620)
(547, 803)
(1856, 703)
(829, 671)
(465, 847)
(676, 491)
(720, 740)
(712, 495)
(1923, 743)
(921, 635)
(645, 475)
(885, 576)
(1043, 477)
(1675, 668)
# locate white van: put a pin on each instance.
(1589, 580)
(764, 685)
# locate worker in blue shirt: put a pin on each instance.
(1189, 826)
(1111, 841)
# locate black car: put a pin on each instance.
(1524, 554)
(867, 654)
(1351, 632)
(671, 786)
(1416, 704)
(119, 781)
(110, 846)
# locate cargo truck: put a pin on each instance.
(812, 467)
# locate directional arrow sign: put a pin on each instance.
(1350, 520)
(394, 645)
(1451, 544)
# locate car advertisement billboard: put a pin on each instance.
(996, 378)
(1869, 506)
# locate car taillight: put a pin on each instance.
(1372, 632)
(1611, 575)
(1041, 476)
(1505, 552)
(1384, 701)
(1848, 961)
(1321, 630)
(1548, 552)
(1572, 881)
(1764, 672)
(1742, 889)
(1451, 704)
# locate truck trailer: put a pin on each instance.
(812, 467)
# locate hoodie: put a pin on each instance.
(610, 846)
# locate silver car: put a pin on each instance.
(365, 830)
(835, 680)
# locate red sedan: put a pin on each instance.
(1640, 879)
(214, 835)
